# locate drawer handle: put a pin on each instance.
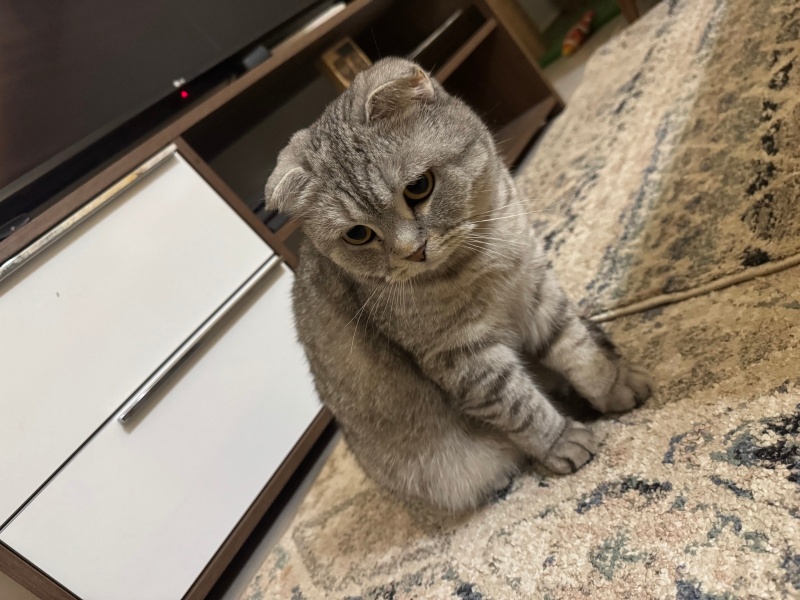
(83, 213)
(141, 395)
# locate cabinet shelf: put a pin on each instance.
(457, 59)
(287, 230)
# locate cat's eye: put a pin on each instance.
(418, 190)
(360, 234)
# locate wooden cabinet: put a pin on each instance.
(87, 320)
(141, 510)
(108, 510)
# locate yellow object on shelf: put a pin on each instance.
(576, 36)
(343, 61)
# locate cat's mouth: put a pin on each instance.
(441, 249)
(409, 270)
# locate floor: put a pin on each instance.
(11, 590)
(245, 566)
(565, 75)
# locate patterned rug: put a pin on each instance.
(675, 167)
(668, 187)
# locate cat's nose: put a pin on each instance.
(419, 254)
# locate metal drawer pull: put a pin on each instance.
(140, 396)
(80, 215)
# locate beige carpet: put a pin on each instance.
(658, 188)
(675, 164)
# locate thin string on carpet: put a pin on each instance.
(719, 284)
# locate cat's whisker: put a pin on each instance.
(483, 249)
(386, 304)
(493, 254)
(522, 201)
(378, 299)
(516, 215)
(375, 42)
(504, 206)
(401, 290)
(489, 250)
(486, 218)
(403, 298)
(360, 309)
(497, 236)
(393, 311)
(376, 303)
(358, 314)
(487, 231)
(392, 301)
(503, 251)
(398, 297)
(503, 241)
(414, 299)
(476, 218)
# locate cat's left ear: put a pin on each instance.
(286, 184)
(396, 96)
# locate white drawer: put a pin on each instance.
(143, 507)
(86, 321)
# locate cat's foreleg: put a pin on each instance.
(579, 350)
(489, 384)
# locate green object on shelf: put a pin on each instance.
(553, 36)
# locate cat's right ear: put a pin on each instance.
(285, 187)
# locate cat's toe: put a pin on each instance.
(572, 450)
(632, 388)
(641, 383)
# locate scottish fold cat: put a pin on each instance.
(423, 294)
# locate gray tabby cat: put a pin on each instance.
(422, 293)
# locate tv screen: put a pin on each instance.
(71, 71)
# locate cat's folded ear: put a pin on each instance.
(286, 184)
(395, 97)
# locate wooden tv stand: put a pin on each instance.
(221, 148)
(492, 67)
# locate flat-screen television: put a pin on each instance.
(72, 71)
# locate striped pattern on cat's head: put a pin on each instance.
(390, 178)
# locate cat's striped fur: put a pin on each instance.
(423, 363)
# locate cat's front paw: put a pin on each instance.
(631, 389)
(574, 448)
